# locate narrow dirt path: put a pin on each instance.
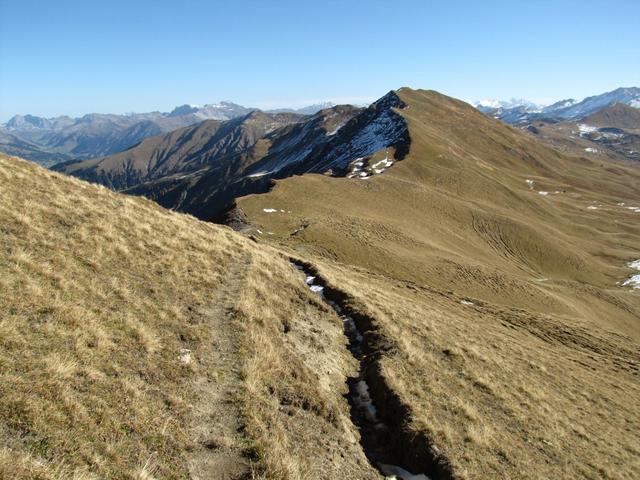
(216, 427)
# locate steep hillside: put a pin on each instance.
(205, 180)
(141, 343)
(96, 135)
(210, 144)
(491, 267)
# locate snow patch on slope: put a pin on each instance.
(634, 280)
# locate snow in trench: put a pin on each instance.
(275, 210)
(334, 131)
(385, 162)
(260, 174)
(529, 182)
(544, 194)
(360, 395)
(591, 150)
(393, 471)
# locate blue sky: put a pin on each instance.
(75, 57)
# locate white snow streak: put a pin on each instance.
(634, 280)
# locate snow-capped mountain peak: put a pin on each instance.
(520, 112)
(507, 104)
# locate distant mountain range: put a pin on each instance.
(519, 112)
(51, 140)
(602, 125)
(308, 110)
(201, 169)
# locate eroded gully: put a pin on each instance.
(375, 410)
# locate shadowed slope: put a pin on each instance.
(180, 152)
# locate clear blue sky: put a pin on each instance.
(75, 57)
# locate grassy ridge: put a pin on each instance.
(505, 381)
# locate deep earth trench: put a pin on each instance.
(375, 410)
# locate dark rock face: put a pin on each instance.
(202, 169)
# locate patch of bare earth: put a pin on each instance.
(222, 450)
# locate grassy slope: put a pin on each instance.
(548, 355)
(100, 295)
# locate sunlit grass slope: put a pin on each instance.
(140, 343)
(493, 265)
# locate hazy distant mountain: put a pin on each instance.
(308, 110)
(95, 135)
(17, 147)
(521, 112)
(32, 122)
(490, 105)
(216, 111)
(88, 136)
(590, 105)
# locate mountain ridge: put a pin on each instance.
(493, 250)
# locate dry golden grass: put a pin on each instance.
(537, 379)
(506, 393)
(99, 295)
(141, 343)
